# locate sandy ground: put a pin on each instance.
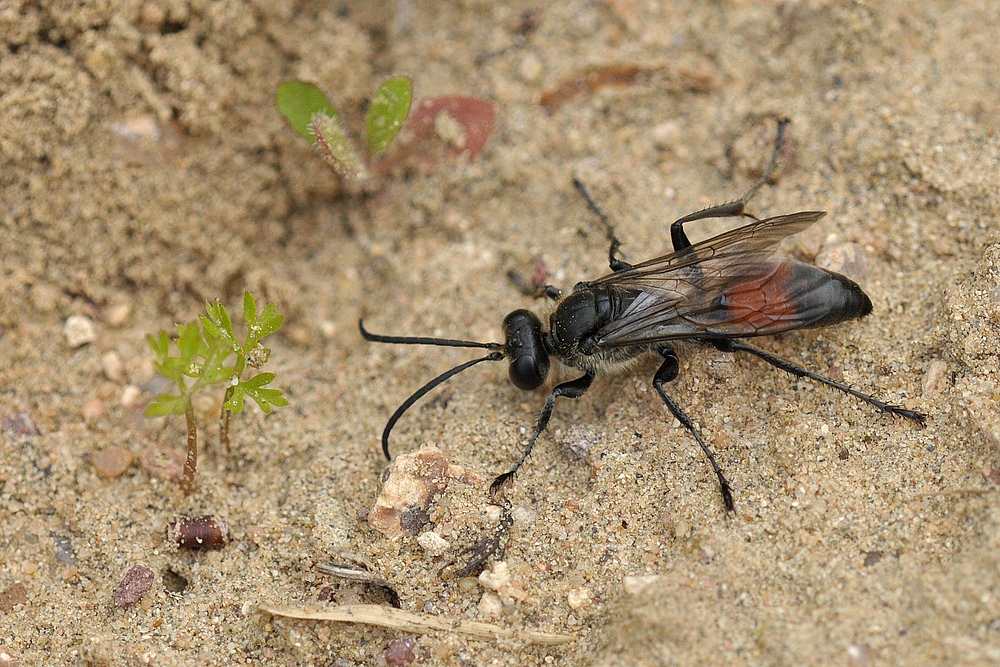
(144, 170)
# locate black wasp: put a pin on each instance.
(717, 292)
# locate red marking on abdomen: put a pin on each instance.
(766, 302)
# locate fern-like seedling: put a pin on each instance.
(212, 354)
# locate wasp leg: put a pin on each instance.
(732, 209)
(572, 389)
(667, 373)
(798, 371)
(527, 289)
(615, 263)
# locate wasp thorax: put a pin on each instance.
(529, 362)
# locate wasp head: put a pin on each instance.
(529, 360)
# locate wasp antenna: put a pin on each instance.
(419, 393)
(423, 340)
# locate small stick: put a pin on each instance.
(417, 623)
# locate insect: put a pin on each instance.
(716, 292)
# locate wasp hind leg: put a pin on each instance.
(667, 373)
(798, 371)
(734, 208)
(615, 263)
(572, 389)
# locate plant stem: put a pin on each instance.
(191, 464)
(224, 415)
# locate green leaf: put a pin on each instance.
(269, 322)
(235, 402)
(331, 137)
(298, 101)
(221, 323)
(189, 341)
(268, 399)
(160, 345)
(249, 308)
(166, 404)
(215, 372)
(387, 112)
(265, 398)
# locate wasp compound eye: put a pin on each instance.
(529, 362)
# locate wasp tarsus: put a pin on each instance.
(715, 292)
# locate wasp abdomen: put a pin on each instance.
(794, 295)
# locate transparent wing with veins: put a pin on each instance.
(724, 287)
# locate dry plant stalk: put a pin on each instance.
(417, 623)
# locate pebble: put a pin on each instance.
(400, 651)
(577, 598)
(636, 585)
(524, 514)
(859, 654)
(45, 297)
(111, 365)
(490, 605)
(497, 577)
(8, 659)
(118, 314)
(578, 442)
(432, 543)
(65, 554)
(79, 330)
(666, 135)
(112, 462)
(468, 584)
(937, 372)
(198, 532)
(18, 423)
(12, 596)
(131, 395)
(409, 485)
(92, 410)
(449, 130)
(530, 68)
(135, 584)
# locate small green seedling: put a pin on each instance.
(312, 116)
(201, 361)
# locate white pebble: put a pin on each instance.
(131, 395)
(432, 543)
(490, 605)
(935, 377)
(496, 578)
(578, 597)
(636, 585)
(118, 314)
(530, 68)
(79, 330)
(666, 135)
(112, 366)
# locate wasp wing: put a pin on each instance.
(724, 287)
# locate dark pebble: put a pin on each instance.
(18, 423)
(136, 583)
(198, 532)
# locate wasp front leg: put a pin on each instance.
(572, 389)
